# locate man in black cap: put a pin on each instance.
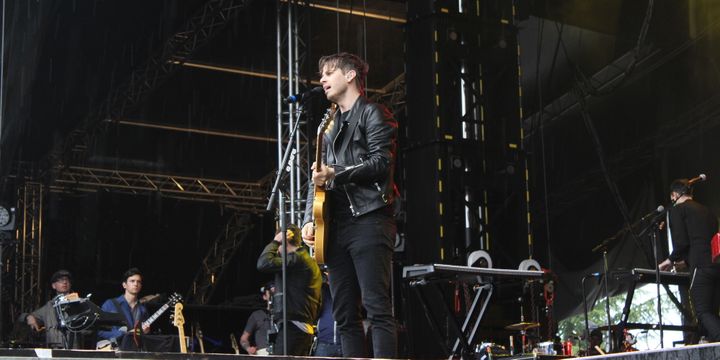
(45, 319)
(254, 338)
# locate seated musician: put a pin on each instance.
(45, 318)
(129, 305)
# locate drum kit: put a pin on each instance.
(528, 349)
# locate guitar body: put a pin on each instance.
(320, 213)
(321, 227)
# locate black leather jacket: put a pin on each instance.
(364, 161)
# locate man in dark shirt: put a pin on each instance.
(128, 304)
(255, 336)
(692, 225)
(303, 293)
(328, 342)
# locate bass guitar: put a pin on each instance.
(179, 323)
(320, 214)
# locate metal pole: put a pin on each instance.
(611, 340)
(281, 196)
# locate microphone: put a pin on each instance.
(657, 211)
(303, 95)
(699, 178)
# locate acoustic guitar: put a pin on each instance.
(320, 214)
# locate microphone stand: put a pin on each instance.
(654, 224)
(605, 244)
(283, 222)
(654, 239)
(604, 247)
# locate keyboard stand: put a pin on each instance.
(463, 343)
(431, 275)
(646, 276)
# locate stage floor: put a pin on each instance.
(694, 352)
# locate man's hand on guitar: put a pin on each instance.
(308, 234)
(322, 177)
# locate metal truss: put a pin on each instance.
(609, 76)
(27, 264)
(392, 95)
(684, 128)
(218, 257)
(290, 57)
(201, 27)
(245, 196)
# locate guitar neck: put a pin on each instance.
(181, 336)
(156, 315)
(321, 132)
(318, 151)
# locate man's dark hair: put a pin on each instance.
(131, 272)
(347, 62)
(682, 187)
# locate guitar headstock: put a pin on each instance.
(234, 343)
(327, 119)
(174, 298)
(178, 318)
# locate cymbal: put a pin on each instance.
(522, 326)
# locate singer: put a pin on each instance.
(692, 225)
(359, 150)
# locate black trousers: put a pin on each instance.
(298, 341)
(359, 264)
(705, 294)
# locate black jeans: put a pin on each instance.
(705, 293)
(359, 264)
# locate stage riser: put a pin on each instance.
(695, 352)
(44, 354)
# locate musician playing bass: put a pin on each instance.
(128, 304)
(359, 159)
(692, 225)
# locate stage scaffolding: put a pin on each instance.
(291, 55)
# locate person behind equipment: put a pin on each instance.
(692, 226)
(45, 318)
(254, 338)
(327, 342)
(303, 292)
